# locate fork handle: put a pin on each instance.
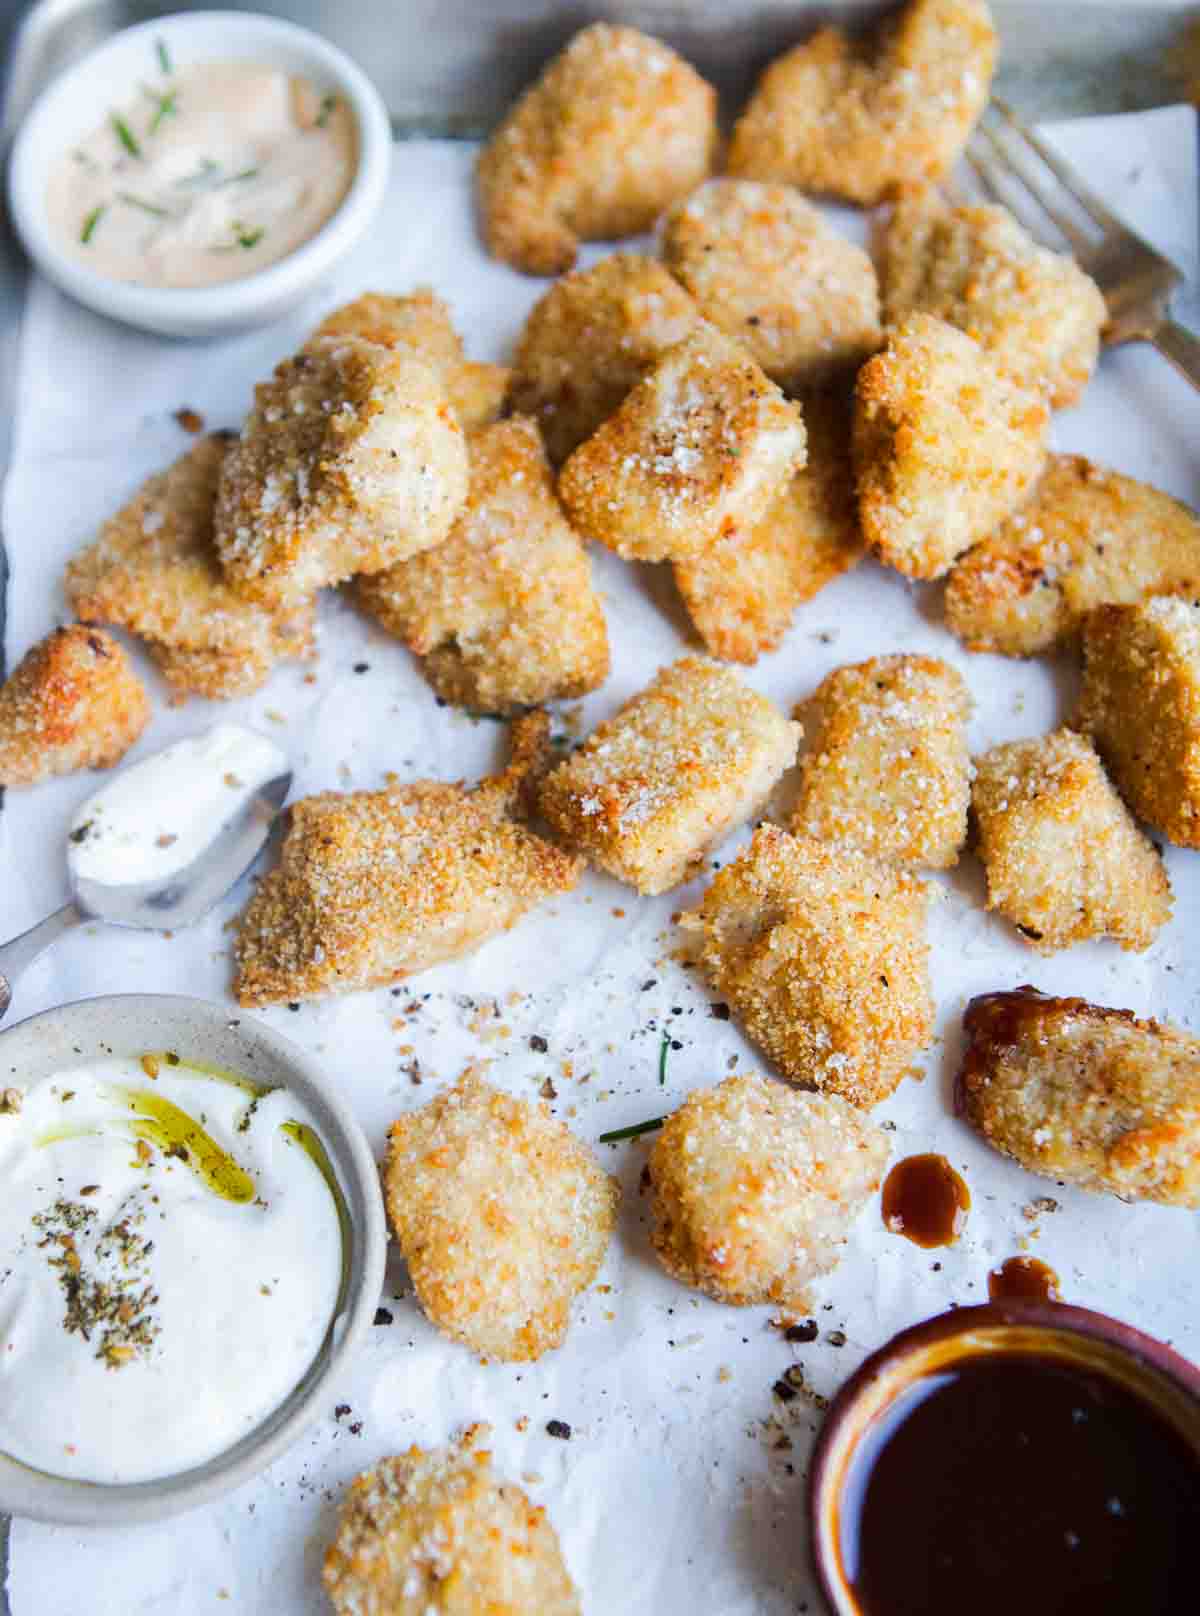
(21, 951)
(1176, 343)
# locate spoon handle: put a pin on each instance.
(21, 951)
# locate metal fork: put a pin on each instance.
(1136, 281)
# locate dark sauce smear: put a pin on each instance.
(1013, 1482)
(926, 1201)
(1023, 1279)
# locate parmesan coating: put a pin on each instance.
(700, 448)
(755, 1188)
(372, 886)
(503, 612)
(435, 1531)
(862, 117)
(658, 784)
(154, 571)
(591, 338)
(350, 460)
(888, 770)
(945, 447)
(501, 1214)
(1087, 536)
(1085, 1095)
(766, 269)
(742, 592)
(615, 130)
(1141, 706)
(1064, 859)
(1033, 311)
(72, 702)
(820, 952)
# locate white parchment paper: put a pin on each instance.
(680, 1488)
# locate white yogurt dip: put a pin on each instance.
(171, 1256)
(152, 819)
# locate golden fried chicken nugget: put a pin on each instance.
(755, 1188)
(888, 771)
(435, 1532)
(503, 612)
(945, 447)
(72, 702)
(590, 339)
(154, 571)
(821, 954)
(1085, 1095)
(351, 459)
(1064, 859)
(617, 127)
(1086, 537)
(862, 117)
(658, 784)
(1033, 311)
(1141, 706)
(501, 1214)
(702, 446)
(766, 269)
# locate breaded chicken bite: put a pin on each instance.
(755, 1188)
(615, 130)
(862, 117)
(1085, 1095)
(888, 771)
(154, 571)
(1086, 537)
(372, 886)
(1141, 706)
(436, 1531)
(1033, 311)
(945, 447)
(72, 702)
(503, 612)
(820, 952)
(742, 592)
(1064, 859)
(350, 460)
(658, 784)
(701, 447)
(766, 269)
(501, 1214)
(590, 339)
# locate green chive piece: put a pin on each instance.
(164, 60)
(236, 179)
(147, 207)
(90, 223)
(662, 1059)
(125, 135)
(166, 107)
(328, 103)
(633, 1131)
(248, 238)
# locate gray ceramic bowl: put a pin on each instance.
(129, 1024)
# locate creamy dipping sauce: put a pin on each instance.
(204, 175)
(171, 1259)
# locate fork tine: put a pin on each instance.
(1081, 242)
(983, 175)
(1088, 200)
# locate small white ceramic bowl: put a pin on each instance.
(78, 102)
(130, 1024)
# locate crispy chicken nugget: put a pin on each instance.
(154, 571)
(503, 612)
(435, 1531)
(766, 268)
(888, 770)
(1033, 311)
(658, 784)
(617, 127)
(72, 702)
(701, 447)
(501, 1214)
(1141, 706)
(821, 954)
(1087, 536)
(1085, 1095)
(755, 1188)
(945, 447)
(1064, 859)
(590, 339)
(351, 459)
(860, 118)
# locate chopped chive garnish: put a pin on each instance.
(125, 135)
(146, 207)
(633, 1131)
(246, 174)
(90, 223)
(328, 102)
(165, 107)
(248, 238)
(662, 1060)
(164, 60)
